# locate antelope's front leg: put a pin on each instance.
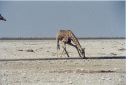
(62, 53)
(64, 47)
(75, 47)
(66, 52)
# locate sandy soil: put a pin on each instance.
(29, 62)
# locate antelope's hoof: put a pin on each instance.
(85, 58)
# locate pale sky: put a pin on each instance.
(44, 18)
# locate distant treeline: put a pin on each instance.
(53, 38)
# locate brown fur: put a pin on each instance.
(67, 37)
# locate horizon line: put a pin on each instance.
(53, 38)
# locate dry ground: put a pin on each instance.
(29, 62)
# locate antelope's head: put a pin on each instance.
(82, 51)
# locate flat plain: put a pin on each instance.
(35, 62)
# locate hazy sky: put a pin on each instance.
(44, 18)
